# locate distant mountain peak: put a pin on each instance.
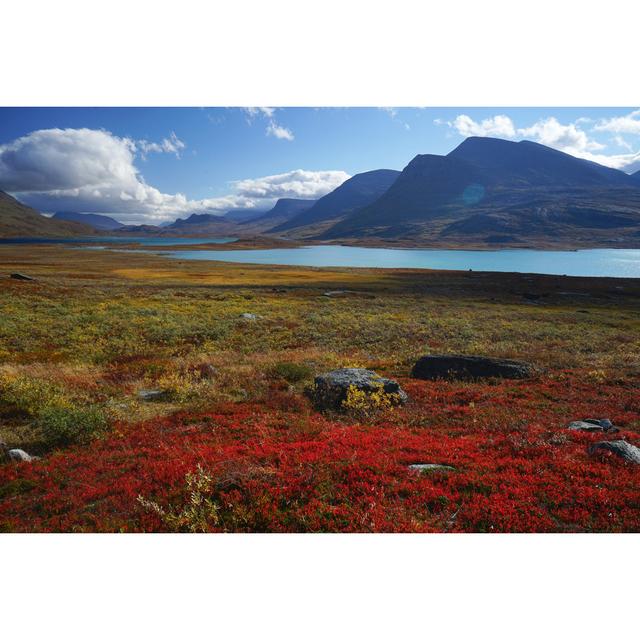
(358, 191)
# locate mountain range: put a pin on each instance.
(19, 221)
(487, 191)
(98, 222)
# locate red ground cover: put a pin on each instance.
(282, 467)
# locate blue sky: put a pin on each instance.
(155, 164)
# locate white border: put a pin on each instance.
(335, 52)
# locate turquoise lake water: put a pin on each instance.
(618, 263)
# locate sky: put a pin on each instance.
(151, 165)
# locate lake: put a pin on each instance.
(617, 263)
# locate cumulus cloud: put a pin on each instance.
(93, 171)
(566, 137)
(570, 138)
(621, 124)
(294, 184)
(273, 128)
(501, 126)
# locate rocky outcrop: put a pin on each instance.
(620, 448)
(460, 367)
(330, 389)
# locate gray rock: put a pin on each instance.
(152, 394)
(18, 455)
(620, 448)
(330, 389)
(591, 424)
(460, 367)
(22, 276)
(250, 317)
(430, 466)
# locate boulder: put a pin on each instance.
(18, 455)
(330, 389)
(21, 276)
(620, 448)
(592, 424)
(430, 466)
(458, 367)
(250, 317)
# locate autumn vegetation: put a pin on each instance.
(232, 443)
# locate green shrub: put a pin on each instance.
(62, 426)
(291, 371)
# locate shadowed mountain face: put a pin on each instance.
(98, 222)
(516, 190)
(358, 191)
(17, 220)
(243, 215)
(283, 210)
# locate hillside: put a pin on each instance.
(17, 220)
(284, 210)
(98, 222)
(495, 191)
(359, 191)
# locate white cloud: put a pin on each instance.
(279, 132)
(565, 137)
(273, 128)
(252, 112)
(293, 184)
(621, 124)
(569, 138)
(93, 171)
(501, 126)
(172, 144)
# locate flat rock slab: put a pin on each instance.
(459, 367)
(22, 276)
(620, 448)
(330, 389)
(592, 424)
(430, 466)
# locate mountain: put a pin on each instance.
(498, 191)
(17, 220)
(98, 222)
(200, 224)
(243, 215)
(283, 210)
(358, 191)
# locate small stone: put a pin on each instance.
(250, 317)
(430, 466)
(18, 455)
(152, 394)
(620, 448)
